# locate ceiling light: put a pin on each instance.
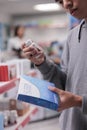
(47, 7)
(13, 0)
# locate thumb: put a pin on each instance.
(54, 89)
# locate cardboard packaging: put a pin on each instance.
(22, 66)
(35, 91)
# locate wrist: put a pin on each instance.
(41, 61)
(78, 101)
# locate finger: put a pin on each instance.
(39, 55)
(28, 49)
(30, 54)
(23, 45)
(54, 89)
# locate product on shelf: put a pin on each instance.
(22, 66)
(13, 116)
(6, 114)
(7, 104)
(10, 117)
(7, 71)
(12, 109)
(12, 69)
(12, 103)
(35, 91)
(22, 108)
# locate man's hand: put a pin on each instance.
(67, 99)
(36, 56)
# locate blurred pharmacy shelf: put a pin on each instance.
(5, 86)
(23, 120)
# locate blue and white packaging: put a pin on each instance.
(35, 91)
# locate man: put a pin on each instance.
(73, 74)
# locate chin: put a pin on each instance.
(79, 17)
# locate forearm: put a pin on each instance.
(52, 73)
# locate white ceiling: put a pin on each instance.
(20, 6)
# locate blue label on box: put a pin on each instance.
(35, 91)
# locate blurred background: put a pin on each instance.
(46, 23)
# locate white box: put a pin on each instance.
(22, 65)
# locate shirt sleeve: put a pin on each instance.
(52, 73)
(84, 104)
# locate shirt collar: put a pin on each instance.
(80, 29)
